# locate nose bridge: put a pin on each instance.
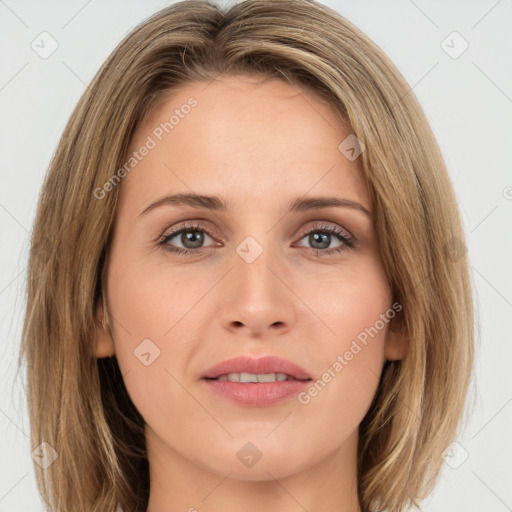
(256, 296)
(253, 263)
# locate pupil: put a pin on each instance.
(322, 238)
(192, 239)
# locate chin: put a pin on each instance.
(259, 461)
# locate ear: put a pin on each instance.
(103, 342)
(397, 341)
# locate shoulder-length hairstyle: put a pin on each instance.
(78, 404)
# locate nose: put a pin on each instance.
(258, 294)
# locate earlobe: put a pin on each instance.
(103, 342)
(397, 341)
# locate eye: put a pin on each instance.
(321, 237)
(191, 237)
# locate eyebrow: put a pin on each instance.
(215, 203)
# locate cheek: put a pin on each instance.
(350, 354)
(154, 335)
(151, 302)
(153, 332)
(349, 366)
(349, 301)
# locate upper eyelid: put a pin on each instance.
(328, 225)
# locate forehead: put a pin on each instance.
(246, 140)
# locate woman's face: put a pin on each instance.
(259, 278)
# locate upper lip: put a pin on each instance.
(257, 365)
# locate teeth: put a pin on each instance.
(253, 377)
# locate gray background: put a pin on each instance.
(468, 101)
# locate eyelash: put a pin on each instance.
(349, 242)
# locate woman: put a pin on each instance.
(246, 282)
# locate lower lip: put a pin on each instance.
(260, 394)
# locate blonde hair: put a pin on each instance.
(78, 404)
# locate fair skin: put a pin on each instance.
(258, 147)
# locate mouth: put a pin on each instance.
(256, 382)
(255, 378)
(247, 368)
